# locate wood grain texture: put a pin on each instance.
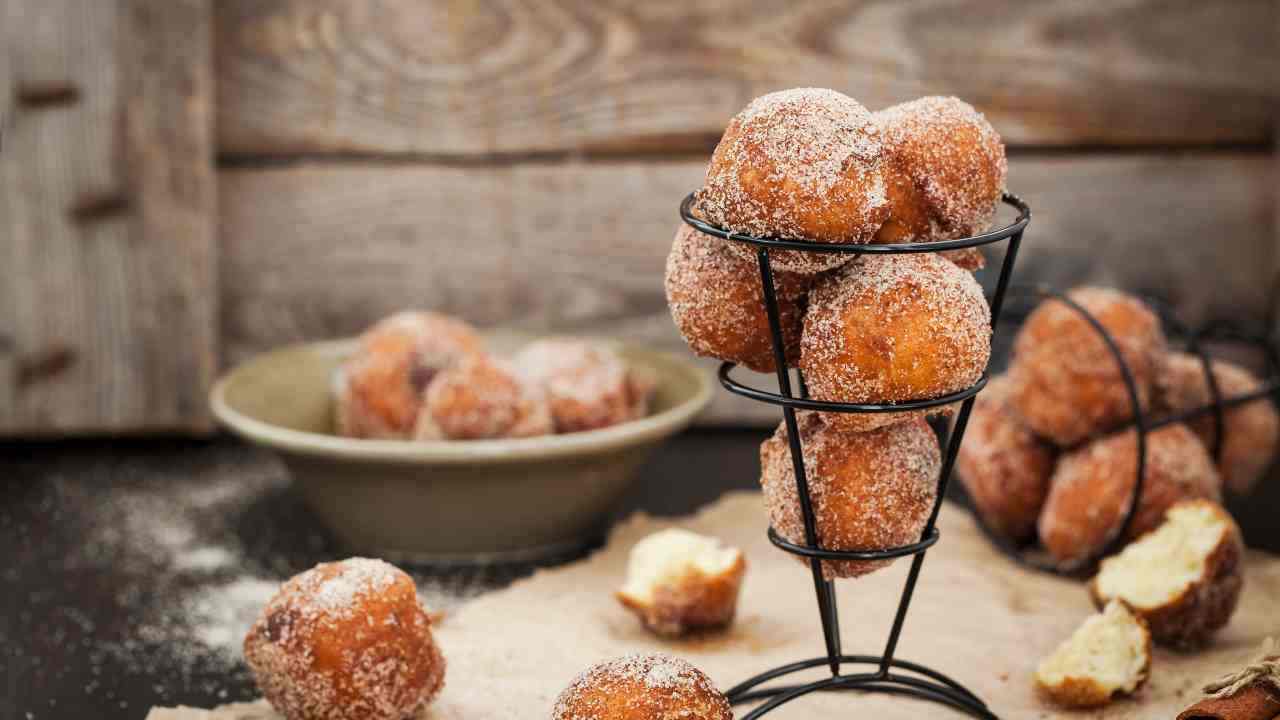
(108, 306)
(519, 76)
(318, 251)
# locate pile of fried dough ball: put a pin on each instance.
(1050, 453)
(814, 165)
(427, 376)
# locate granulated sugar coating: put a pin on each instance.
(481, 398)
(804, 163)
(588, 384)
(1092, 489)
(870, 491)
(717, 302)
(346, 641)
(1066, 383)
(1004, 467)
(642, 686)
(1250, 432)
(945, 170)
(886, 329)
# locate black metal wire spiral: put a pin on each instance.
(890, 675)
(1141, 421)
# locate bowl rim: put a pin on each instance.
(546, 447)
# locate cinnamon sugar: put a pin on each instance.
(656, 686)
(804, 163)
(588, 384)
(893, 328)
(953, 161)
(870, 491)
(717, 303)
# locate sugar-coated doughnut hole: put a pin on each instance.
(945, 171)
(717, 302)
(483, 398)
(379, 389)
(588, 384)
(1004, 467)
(804, 164)
(870, 491)
(640, 687)
(1091, 489)
(1066, 384)
(346, 641)
(1249, 432)
(891, 328)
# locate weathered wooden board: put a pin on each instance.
(108, 294)
(503, 76)
(318, 251)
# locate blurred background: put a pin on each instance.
(186, 183)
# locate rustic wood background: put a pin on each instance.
(519, 163)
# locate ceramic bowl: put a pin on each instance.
(468, 501)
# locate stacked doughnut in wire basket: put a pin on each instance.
(1051, 454)
(814, 165)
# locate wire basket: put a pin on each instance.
(1142, 421)
(889, 674)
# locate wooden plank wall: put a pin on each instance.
(521, 162)
(109, 293)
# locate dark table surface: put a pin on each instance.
(107, 544)
(128, 565)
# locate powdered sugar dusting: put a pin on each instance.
(870, 491)
(891, 329)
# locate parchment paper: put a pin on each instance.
(976, 617)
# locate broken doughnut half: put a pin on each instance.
(1183, 578)
(679, 581)
(1107, 656)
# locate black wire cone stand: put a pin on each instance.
(1142, 423)
(889, 674)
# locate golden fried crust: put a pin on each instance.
(945, 170)
(1250, 432)
(642, 687)
(588, 385)
(970, 259)
(801, 164)
(893, 328)
(346, 641)
(1066, 383)
(383, 381)
(1091, 487)
(479, 398)
(696, 601)
(870, 491)
(1188, 620)
(1085, 692)
(1003, 466)
(717, 302)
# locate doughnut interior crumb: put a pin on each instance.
(1160, 566)
(1108, 655)
(667, 556)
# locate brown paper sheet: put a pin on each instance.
(976, 616)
